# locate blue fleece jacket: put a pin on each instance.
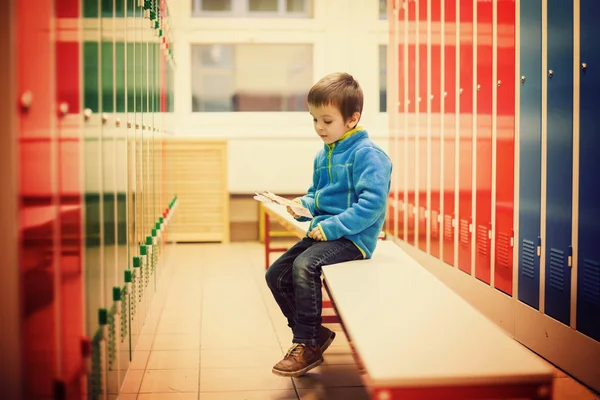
(348, 196)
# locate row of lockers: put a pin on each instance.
(460, 96)
(95, 98)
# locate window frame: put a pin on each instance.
(241, 9)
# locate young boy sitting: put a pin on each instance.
(351, 182)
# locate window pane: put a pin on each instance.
(216, 5)
(251, 77)
(382, 78)
(296, 5)
(263, 5)
(382, 9)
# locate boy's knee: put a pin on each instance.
(302, 268)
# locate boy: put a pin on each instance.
(351, 182)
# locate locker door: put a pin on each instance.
(483, 186)
(401, 161)
(68, 99)
(435, 98)
(559, 161)
(412, 131)
(422, 112)
(505, 142)
(465, 133)
(450, 90)
(588, 277)
(40, 287)
(530, 131)
(387, 80)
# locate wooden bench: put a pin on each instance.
(414, 338)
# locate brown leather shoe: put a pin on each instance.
(299, 359)
(326, 336)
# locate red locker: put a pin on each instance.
(465, 133)
(505, 146)
(70, 253)
(412, 121)
(450, 89)
(37, 198)
(390, 224)
(399, 40)
(422, 110)
(435, 127)
(483, 187)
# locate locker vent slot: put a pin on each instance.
(464, 233)
(502, 250)
(448, 229)
(528, 255)
(482, 238)
(555, 273)
(590, 281)
(435, 225)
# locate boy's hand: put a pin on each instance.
(292, 213)
(316, 234)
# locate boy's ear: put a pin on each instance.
(353, 120)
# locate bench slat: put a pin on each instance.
(410, 329)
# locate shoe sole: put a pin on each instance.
(300, 372)
(328, 342)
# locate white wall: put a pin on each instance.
(274, 150)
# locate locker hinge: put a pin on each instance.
(539, 247)
(439, 218)
(512, 238)
(470, 228)
(570, 259)
(426, 214)
(490, 234)
(453, 222)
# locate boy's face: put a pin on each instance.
(329, 123)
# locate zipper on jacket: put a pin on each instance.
(331, 147)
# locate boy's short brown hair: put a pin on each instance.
(340, 90)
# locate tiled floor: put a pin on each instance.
(214, 332)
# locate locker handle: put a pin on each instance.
(570, 258)
(539, 247)
(584, 67)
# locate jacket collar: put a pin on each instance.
(348, 139)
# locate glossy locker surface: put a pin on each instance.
(530, 151)
(559, 161)
(465, 151)
(483, 173)
(421, 132)
(412, 122)
(505, 147)
(70, 211)
(39, 236)
(450, 116)
(588, 277)
(435, 128)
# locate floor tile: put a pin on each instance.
(132, 382)
(168, 396)
(139, 359)
(174, 359)
(330, 376)
(334, 393)
(185, 341)
(254, 395)
(170, 381)
(239, 379)
(263, 357)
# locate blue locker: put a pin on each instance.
(559, 166)
(530, 153)
(588, 277)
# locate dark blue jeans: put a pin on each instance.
(295, 280)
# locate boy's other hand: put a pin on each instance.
(316, 234)
(292, 213)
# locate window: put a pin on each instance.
(252, 8)
(251, 77)
(383, 9)
(382, 78)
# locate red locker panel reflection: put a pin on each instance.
(435, 98)
(483, 187)
(412, 120)
(422, 110)
(37, 191)
(68, 99)
(465, 153)
(450, 91)
(505, 144)
(390, 224)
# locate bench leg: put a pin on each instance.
(267, 240)
(532, 391)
